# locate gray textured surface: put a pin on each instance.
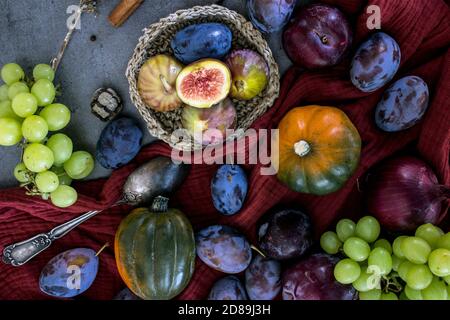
(32, 31)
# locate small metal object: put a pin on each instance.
(106, 104)
(22, 252)
(139, 189)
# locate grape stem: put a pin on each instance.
(392, 284)
(85, 6)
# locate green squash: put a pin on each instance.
(155, 251)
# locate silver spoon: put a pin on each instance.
(159, 176)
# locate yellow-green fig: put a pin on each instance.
(156, 83)
(208, 126)
(250, 74)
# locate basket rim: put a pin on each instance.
(151, 32)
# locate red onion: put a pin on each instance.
(404, 193)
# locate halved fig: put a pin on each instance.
(208, 126)
(156, 83)
(204, 83)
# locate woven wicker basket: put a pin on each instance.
(156, 39)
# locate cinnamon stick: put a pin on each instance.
(123, 11)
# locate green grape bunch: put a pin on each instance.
(31, 118)
(410, 267)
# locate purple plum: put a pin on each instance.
(285, 234)
(263, 278)
(223, 248)
(270, 15)
(318, 36)
(69, 273)
(228, 288)
(375, 63)
(313, 279)
(402, 105)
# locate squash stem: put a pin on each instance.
(101, 249)
(160, 204)
(302, 148)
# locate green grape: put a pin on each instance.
(6, 111)
(11, 73)
(374, 294)
(396, 246)
(57, 116)
(368, 280)
(356, 249)
(437, 290)
(16, 88)
(47, 181)
(439, 262)
(382, 259)
(10, 132)
(396, 261)
(367, 229)
(413, 294)
(4, 92)
(418, 276)
(429, 233)
(64, 196)
(447, 279)
(383, 243)
(444, 241)
(24, 104)
(34, 129)
(330, 242)
(37, 157)
(80, 165)
(415, 249)
(404, 268)
(64, 179)
(345, 228)
(43, 71)
(347, 271)
(61, 146)
(21, 173)
(388, 296)
(44, 91)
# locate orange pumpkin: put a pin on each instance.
(319, 149)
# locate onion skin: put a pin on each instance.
(404, 193)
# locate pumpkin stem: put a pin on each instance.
(160, 204)
(101, 249)
(302, 148)
(167, 87)
(258, 251)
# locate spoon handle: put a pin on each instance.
(20, 253)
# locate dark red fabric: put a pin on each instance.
(422, 28)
